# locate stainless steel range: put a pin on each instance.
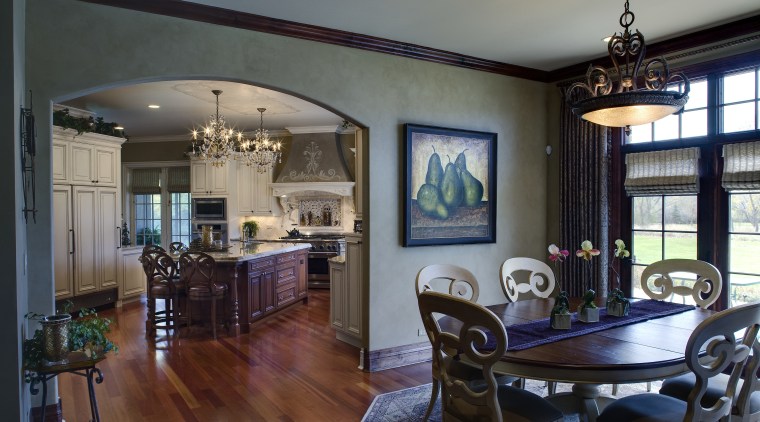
(323, 247)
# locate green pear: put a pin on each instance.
(428, 199)
(441, 212)
(461, 161)
(434, 170)
(473, 189)
(451, 186)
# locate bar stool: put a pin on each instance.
(198, 275)
(163, 285)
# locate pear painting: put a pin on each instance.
(450, 180)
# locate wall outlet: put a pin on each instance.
(421, 332)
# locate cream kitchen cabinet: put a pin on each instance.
(254, 196)
(209, 180)
(86, 159)
(132, 281)
(63, 241)
(346, 293)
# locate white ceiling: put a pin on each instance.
(540, 34)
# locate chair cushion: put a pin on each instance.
(200, 291)
(516, 405)
(680, 387)
(647, 407)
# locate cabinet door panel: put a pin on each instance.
(218, 178)
(60, 163)
(354, 294)
(255, 302)
(337, 295)
(85, 240)
(198, 178)
(133, 280)
(62, 252)
(81, 162)
(105, 160)
(262, 203)
(245, 198)
(109, 245)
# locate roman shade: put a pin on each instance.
(146, 181)
(179, 180)
(741, 166)
(674, 171)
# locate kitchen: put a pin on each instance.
(166, 193)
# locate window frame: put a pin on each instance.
(712, 200)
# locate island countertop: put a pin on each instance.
(255, 250)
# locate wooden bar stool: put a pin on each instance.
(198, 275)
(160, 271)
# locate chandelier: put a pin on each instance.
(628, 105)
(217, 142)
(261, 150)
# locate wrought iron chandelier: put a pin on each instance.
(261, 151)
(628, 105)
(217, 142)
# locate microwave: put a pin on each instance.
(209, 209)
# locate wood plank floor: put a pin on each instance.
(289, 368)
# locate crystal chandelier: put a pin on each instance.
(215, 142)
(628, 106)
(261, 151)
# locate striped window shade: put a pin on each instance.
(741, 166)
(146, 181)
(179, 180)
(674, 171)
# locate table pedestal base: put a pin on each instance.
(586, 399)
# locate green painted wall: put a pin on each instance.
(75, 48)
(154, 151)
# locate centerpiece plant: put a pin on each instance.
(560, 315)
(617, 303)
(588, 311)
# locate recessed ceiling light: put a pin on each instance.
(154, 106)
(119, 127)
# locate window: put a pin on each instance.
(719, 224)
(160, 205)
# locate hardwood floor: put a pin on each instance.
(289, 368)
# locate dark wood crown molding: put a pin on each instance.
(718, 34)
(248, 21)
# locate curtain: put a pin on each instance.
(741, 166)
(674, 171)
(146, 181)
(583, 199)
(179, 180)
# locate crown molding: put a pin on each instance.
(74, 112)
(248, 21)
(312, 129)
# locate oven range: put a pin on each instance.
(323, 247)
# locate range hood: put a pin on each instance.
(315, 166)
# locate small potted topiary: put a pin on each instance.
(250, 230)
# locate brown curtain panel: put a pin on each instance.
(584, 203)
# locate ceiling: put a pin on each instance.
(541, 34)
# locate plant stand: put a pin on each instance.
(561, 321)
(588, 314)
(618, 309)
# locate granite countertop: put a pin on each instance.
(340, 259)
(255, 250)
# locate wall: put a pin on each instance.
(13, 301)
(107, 47)
(137, 152)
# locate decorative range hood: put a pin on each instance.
(315, 166)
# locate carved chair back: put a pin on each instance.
(660, 280)
(540, 283)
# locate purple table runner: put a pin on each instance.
(536, 333)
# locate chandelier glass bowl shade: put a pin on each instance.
(261, 151)
(627, 105)
(215, 142)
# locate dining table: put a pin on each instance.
(648, 345)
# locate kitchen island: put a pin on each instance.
(263, 278)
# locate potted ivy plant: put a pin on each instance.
(87, 334)
(250, 229)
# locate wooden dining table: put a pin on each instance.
(643, 351)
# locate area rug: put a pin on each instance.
(409, 404)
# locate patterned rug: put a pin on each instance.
(409, 404)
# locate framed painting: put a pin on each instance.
(450, 186)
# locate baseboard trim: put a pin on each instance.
(53, 413)
(394, 357)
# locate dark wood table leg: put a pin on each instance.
(234, 320)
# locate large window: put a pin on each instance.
(719, 225)
(160, 205)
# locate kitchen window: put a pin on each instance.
(719, 225)
(159, 205)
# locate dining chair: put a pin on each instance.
(528, 278)
(463, 400)
(704, 292)
(724, 339)
(657, 282)
(458, 282)
(177, 248)
(198, 275)
(162, 284)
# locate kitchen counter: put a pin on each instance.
(255, 250)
